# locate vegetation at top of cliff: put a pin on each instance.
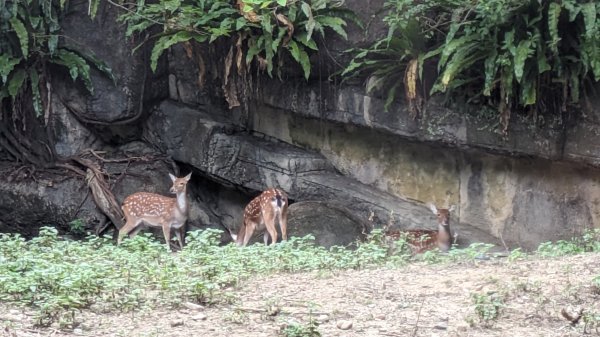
(261, 31)
(516, 55)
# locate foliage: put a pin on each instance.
(487, 306)
(29, 42)
(588, 242)
(310, 329)
(513, 54)
(262, 30)
(59, 277)
(77, 226)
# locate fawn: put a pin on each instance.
(421, 240)
(156, 210)
(261, 213)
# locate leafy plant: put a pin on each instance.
(29, 42)
(310, 329)
(517, 55)
(262, 31)
(588, 242)
(488, 306)
(77, 226)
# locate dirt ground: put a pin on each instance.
(416, 300)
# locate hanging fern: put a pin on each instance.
(35, 31)
(513, 53)
(267, 28)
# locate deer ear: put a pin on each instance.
(187, 178)
(432, 208)
(172, 177)
(452, 208)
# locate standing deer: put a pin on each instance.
(261, 213)
(421, 240)
(156, 210)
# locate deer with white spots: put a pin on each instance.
(261, 213)
(421, 240)
(156, 210)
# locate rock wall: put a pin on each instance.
(322, 142)
(521, 200)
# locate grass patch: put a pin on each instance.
(59, 277)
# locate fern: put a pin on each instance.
(31, 43)
(522, 53)
(22, 34)
(514, 54)
(164, 43)
(554, 10)
(7, 64)
(300, 55)
(268, 28)
(16, 81)
(589, 18)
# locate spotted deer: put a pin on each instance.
(261, 213)
(421, 240)
(156, 210)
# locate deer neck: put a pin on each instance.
(444, 237)
(182, 202)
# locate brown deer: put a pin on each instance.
(421, 240)
(156, 210)
(261, 213)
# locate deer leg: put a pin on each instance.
(180, 233)
(269, 219)
(167, 233)
(126, 229)
(250, 227)
(266, 237)
(283, 223)
(136, 230)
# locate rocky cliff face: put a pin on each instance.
(321, 142)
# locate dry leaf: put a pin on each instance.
(188, 49)
(250, 16)
(290, 27)
(410, 87)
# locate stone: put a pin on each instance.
(193, 306)
(344, 325)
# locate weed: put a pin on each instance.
(488, 306)
(237, 316)
(77, 226)
(516, 254)
(310, 329)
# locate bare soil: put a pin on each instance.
(416, 300)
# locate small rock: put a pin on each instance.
(77, 331)
(441, 326)
(176, 322)
(193, 306)
(199, 317)
(322, 318)
(344, 325)
(14, 312)
(462, 327)
(85, 327)
(381, 317)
